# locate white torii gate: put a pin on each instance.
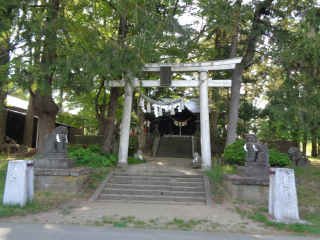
(202, 68)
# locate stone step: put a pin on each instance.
(153, 202)
(175, 147)
(163, 183)
(151, 192)
(176, 151)
(156, 187)
(157, 179)
(172, 175)
(189, 155)
(130, 197)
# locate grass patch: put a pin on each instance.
(139, 224)
(294, 227)
(308, 196)
(130, 219)
(263, 209)
(66, 211)
(122, 224)
(215, 176)
(132, 160)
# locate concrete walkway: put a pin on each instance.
(163, 164)
(10, 231)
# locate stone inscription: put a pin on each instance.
(15, 172)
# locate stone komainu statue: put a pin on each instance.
(57, 141)
(257, 153)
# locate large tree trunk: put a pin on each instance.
(46, 109)
(28, 125)
(142, 135)
(44, 106)
(109, 123)
(238, 71)
(113, 103)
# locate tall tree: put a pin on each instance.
(8, 21)
(262, 8)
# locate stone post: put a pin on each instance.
(125, 127)
(204, 122)
(283, 201)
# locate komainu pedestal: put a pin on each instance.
(251, 183)
(55, 172)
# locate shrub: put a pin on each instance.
(277, 158)
(91, 156)
(235, 153)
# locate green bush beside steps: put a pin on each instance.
(236, 154)
(93, 156)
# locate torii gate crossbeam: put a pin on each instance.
(202, 68)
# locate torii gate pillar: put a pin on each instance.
(204, 122)
(125, 127)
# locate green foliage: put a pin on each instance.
(68, 118)
(296, 227)
(277, 158)
(92, 157)
(132, 160)
(215, 177)
(235, 152)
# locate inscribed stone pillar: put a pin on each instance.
(15, 190)
(283, 202)
(125, 127)
(204, 122)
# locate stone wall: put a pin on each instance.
(60, 184)
(249, 193)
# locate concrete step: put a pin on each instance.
(130, 197)
(175, 147)
(173, 175)
(174, 156)
(145, 187)
(162, 183)
(157, 179)
(151, 192)
(153, 202)
(156, 187)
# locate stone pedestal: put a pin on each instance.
(249, 184)
(249, 189)
(59, 175)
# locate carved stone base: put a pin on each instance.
(122, 164)
(257, 164)
(55, 155)
(258, 172)
(250, 189)
(206, 167)
(69, 181)
(64, 163)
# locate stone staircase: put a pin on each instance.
(153, 188)
(175, 147)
